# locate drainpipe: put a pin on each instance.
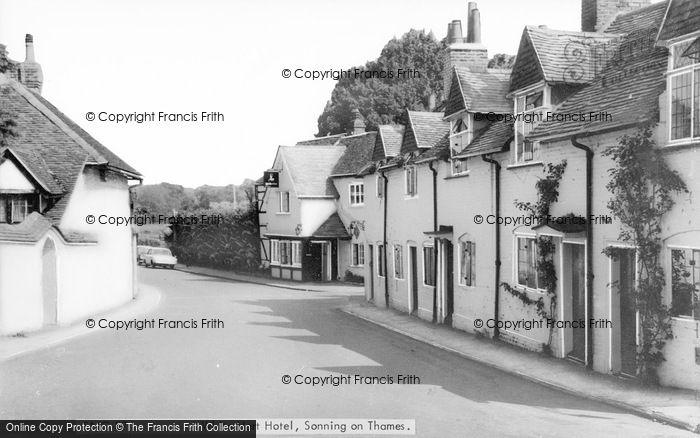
(589, 242)
(386, 264)
(435, 228)
(497, 261)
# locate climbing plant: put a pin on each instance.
(642, 187)
(547, 194)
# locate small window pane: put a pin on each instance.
(681, 101)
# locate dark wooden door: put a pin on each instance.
(313, 266)
(370, 250)
(578, 301)
(413, 255)
(628, 313)
(449, 282)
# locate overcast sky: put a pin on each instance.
(125, 56)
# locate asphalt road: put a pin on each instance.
(237, 371)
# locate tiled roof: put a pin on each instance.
(479, 91)
(682, 18)
(628, 90)
(495, 138)
(424, 130)
(441, 151)
(332, 227)
(557, 56)
(358, 153)
(46, 151)
(100, 153)
(30, 229)
(388, 141)
(309, 168)
(327, 140)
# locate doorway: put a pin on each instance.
(575, 270)
(371, 272)
(319, 261)
(413, 264)
(448, 279)
(49, 283)
(628, 311)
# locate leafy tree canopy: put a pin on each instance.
(383, 100)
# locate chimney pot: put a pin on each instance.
(475, 27)
(456, 32)
(29, 45)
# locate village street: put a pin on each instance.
(237, 371)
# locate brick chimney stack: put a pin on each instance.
(464, 52)
(596, 15)
(29, 72)
(358, 125)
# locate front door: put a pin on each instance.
(577, 269)
(449, 282)
(371, 272)
(628, 313)
(325, 261)
(413, 261)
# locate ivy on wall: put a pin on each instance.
(642, 187)
(547, 194)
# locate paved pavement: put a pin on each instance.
(236, 371)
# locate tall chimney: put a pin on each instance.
(29, 45)
(358, 125)
(29, 72)
(597, 15)
(470, 7)
(464, 52)
(475, 26)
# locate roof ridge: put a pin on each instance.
(55, 119)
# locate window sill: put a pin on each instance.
(408, 198)
(283, 213)
(524, 164)
(428, 285)
(681, 144)
(459, 175)
(527, 289)
(685, 319)
(357, 205)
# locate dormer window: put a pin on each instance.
(460, 137)
(529, 110)
(684, 86)
(15, 208)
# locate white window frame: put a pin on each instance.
(691, 70)
(516, 263)
(472, 267)
(411, 185)
(357, 254)
(542, 109)
(274, 252)
(281, 210)
(691, 317)
(296, 253)
(356, 193)
(399, 271)
(380, 187)
(425, 266)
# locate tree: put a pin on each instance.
(7, 122)
(502, 61)
(382, 100)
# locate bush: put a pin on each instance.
(232, 243)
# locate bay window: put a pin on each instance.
(275, 252)
(460, 137)
(529, 110)
(684, 86)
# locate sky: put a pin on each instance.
(226, 56)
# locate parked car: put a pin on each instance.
(159, 257)
(141, 250)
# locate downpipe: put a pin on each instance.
(386, 262)
(589, 243)
(497, 261)
(435, 228)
